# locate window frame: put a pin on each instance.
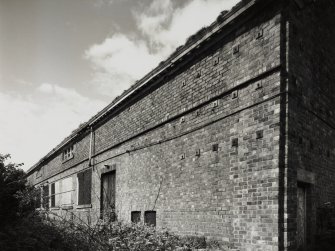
(68, 153)
(53, 201)
(69, 191)
(45, 199)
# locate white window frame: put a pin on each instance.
(68, 153)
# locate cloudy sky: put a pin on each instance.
(62, 61)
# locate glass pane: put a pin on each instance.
(67, 198)
(67, 184)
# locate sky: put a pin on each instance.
(63, 61)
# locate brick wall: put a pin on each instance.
(311, 118)
(230, 194)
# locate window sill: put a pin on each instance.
(66, 160)
(84, 206)
(67, 207)
(54, 208)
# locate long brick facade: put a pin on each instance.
(221, 140)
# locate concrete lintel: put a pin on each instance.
(305, 176)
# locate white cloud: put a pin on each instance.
(102, 3)
(32, 125)
(121, 59)
(183, 22)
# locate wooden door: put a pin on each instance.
(108, 195)
(301, 218)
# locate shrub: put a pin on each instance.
(22, 228)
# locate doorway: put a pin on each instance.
(301, 217)
(108, 187)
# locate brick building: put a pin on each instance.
(232, 137)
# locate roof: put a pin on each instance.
(192, 43)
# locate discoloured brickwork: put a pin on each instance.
(213, 144)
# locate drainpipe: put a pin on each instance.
(90, 154)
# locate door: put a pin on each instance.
(108, 196)
(301, 218)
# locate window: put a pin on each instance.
(38, 197)
(150, 218)
(45, 198)
(68, 153)
(61, 193)
(136, 216)
(55, 194)
(84, 187)
(66, 192)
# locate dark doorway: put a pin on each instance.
(301, 217)
(108, 196)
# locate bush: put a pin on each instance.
(38, 232)
(12, 182)
(24, 229)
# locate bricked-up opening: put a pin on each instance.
(84, 187)
(259, 134)
(46, 196)
(215, 103)
(236, 49)
(150, 218)
(258, 85)
(234, 94)
(215, 147)
(234, 142)
(259, 34)
(136, 216)
(216, 61)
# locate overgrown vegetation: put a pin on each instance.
(23, 228)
